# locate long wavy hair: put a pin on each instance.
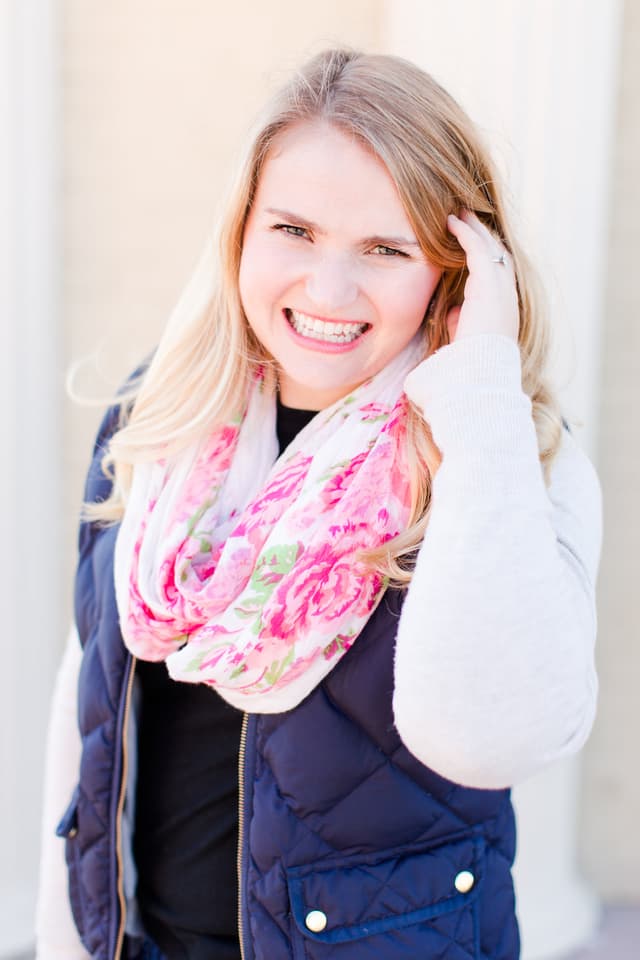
(200, 372)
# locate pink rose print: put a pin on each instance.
(324, 587)
(206, 477)
(285, 484)
(334, 489)
(375, 489)
(267, 509)
(220, 448)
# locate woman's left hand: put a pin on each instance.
(490, 296)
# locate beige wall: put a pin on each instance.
(156, 98)
(612, 770)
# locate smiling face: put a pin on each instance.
(332, 279)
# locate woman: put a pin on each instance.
(351, 523)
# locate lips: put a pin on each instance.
(325, 331)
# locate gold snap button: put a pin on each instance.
(464, 881)
(316, 921)
(72, 832)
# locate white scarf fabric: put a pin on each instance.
(244, 573)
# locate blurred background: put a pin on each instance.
(119, 126)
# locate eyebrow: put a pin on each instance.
(297, 220)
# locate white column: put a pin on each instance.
(30, 443)
(540, 79)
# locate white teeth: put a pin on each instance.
(321, 330)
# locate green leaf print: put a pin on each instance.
(194, 665)
(269, 571)
(338, 644)
(272, 567)
(196, 517)
(278, 667)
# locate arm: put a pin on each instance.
(494, 673)
(56, 934)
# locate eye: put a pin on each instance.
(291, 230)
(387, 251)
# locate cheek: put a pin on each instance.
(264, 276)
(251, 277)
(408, 301)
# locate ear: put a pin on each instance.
(452, 322)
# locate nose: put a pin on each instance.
(331, 285)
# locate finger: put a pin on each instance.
(480, 246)
(473, 220)
(472, 242)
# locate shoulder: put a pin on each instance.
(98, 483)
(572, 469)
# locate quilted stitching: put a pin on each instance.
(448, 809)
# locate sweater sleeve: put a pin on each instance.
(494, 669)
(56, 934)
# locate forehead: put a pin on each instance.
(323, 173)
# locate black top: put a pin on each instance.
(186, 831)
(289, 423)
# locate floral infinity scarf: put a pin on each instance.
(244, 573)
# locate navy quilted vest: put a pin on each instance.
(350, 848)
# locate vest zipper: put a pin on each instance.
(243, 744)
(119, 809)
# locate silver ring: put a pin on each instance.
(501, 259)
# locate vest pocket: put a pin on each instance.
(413, 901)
(68, 826)
(68, 829)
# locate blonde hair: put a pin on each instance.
(201, 369)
